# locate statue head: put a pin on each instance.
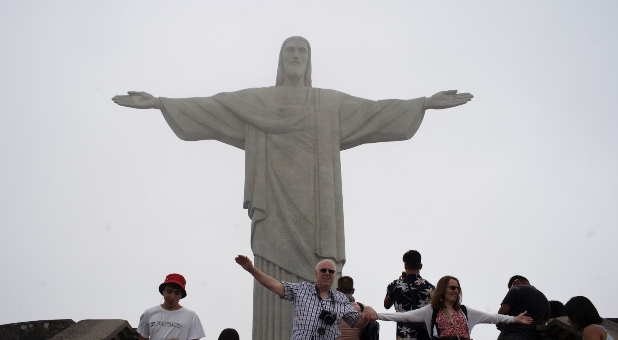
(281, 70)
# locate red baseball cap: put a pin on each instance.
(177, 279)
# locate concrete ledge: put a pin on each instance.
(114, 329)
(558, 328)
(34, 330)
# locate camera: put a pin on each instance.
(328, 317)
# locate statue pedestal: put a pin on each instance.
(272, 316)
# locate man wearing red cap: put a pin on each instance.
(170, 320)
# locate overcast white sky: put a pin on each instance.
(99, 202)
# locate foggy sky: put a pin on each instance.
(100, 202)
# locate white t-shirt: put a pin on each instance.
(159, 324)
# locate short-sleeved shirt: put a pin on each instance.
(531, 300)
(160, 324)
(411, 292)
(308, 306)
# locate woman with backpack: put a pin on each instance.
(447, 318)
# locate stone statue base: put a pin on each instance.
(272, 316)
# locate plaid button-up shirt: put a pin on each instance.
(307, 309)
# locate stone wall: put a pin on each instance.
(34, 330)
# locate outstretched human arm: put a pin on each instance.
(476, 317)
(523, 319)
(138, 100)
(505, 309)
(265, 280)
(446, 99)
(416, 315)
(369, 314)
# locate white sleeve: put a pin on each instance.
(476, 317)
(416, 315)
(196, 331)
(143, 328)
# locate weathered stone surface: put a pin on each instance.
(34, 330)
(98, 330)
(559, 328)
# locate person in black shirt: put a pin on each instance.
(523, 297)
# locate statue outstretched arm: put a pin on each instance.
(192, 119)
(138, 100)
(446, 99)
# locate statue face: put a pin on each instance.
(295, 56)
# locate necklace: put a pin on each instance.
(452, 321)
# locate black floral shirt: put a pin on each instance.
(411, 292)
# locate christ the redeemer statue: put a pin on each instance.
(292, 134)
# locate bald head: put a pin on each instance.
(325, 274)
(319, 265)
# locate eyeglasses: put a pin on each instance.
(455, 288)
(324, 270)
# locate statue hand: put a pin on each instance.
(446, 99)
(138, 100)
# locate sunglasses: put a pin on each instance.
(455, 288)
(324, 270)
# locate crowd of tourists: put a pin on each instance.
(422, 311)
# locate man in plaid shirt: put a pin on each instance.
(318, 309)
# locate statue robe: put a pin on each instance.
(292, 164)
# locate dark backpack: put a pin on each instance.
(371, 331)
(434, 315)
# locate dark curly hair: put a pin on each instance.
(412, 259)
(582, 313)
(437, 299)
